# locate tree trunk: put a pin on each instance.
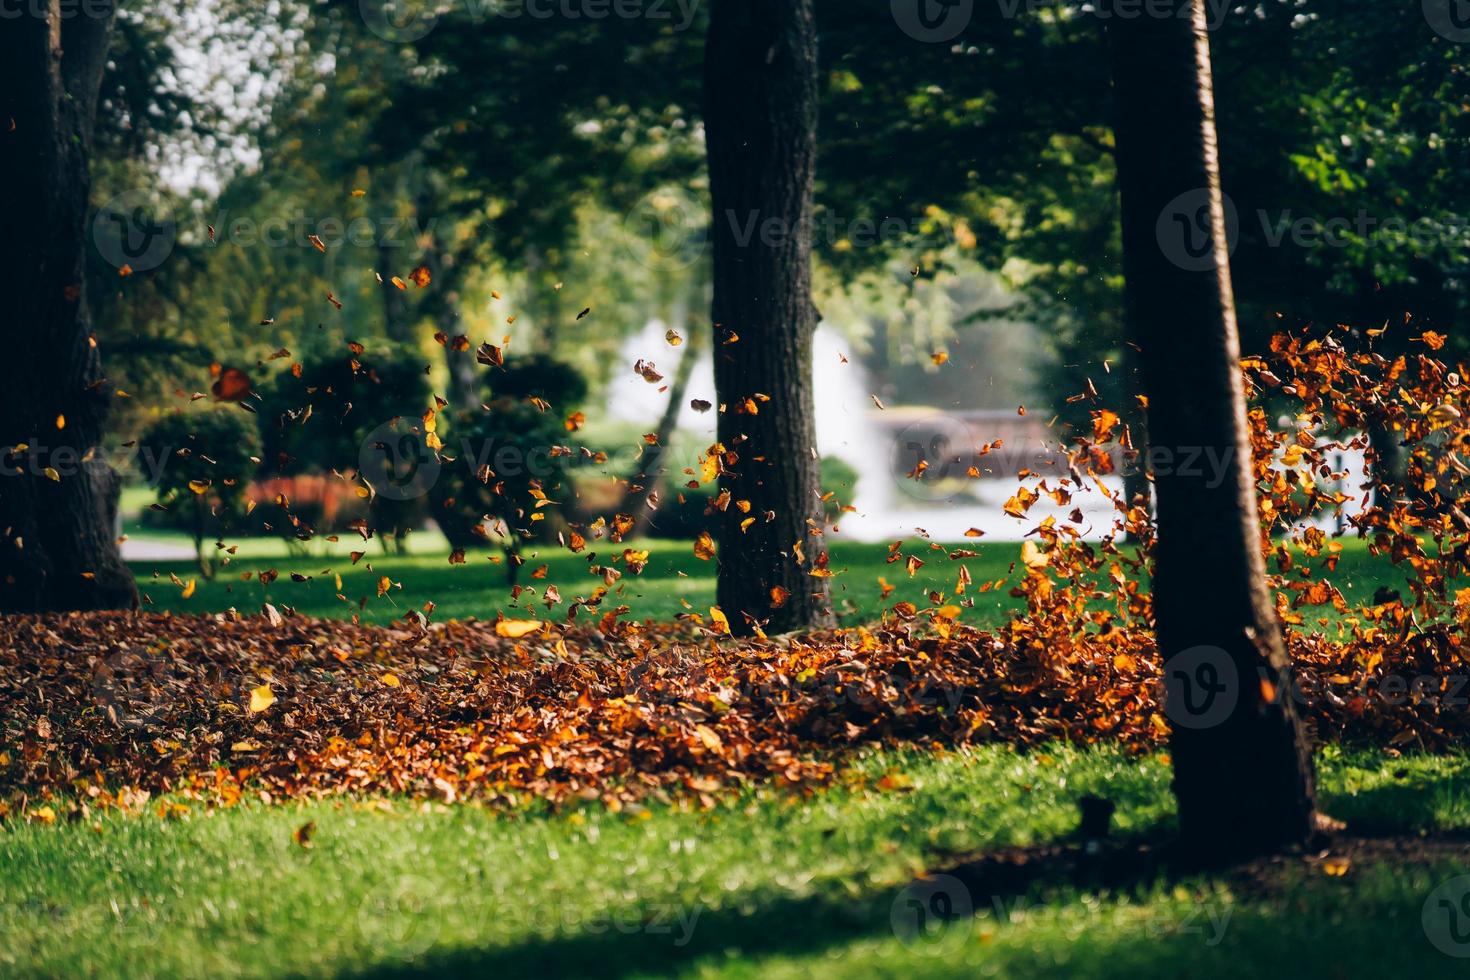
(1138, 490)
(760, 118)
(650, 471)
(58, 506)
(1242, 772)
(1386, 468)
(464, 382)
(396, 326)
(464, 379)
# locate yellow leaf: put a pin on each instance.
(709, 467)
(189, 588)
(894, 780)
(704, 546)
(717, 615)
(261, 698)
(390, 680)
(516, 628)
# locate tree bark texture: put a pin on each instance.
(760, 121)
(1242, 772)
(58, 501)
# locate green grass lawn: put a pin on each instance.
(674, 576)
(767, 884)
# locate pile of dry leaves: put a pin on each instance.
(115, 708)
(118, 706)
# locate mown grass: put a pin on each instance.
(675, 581)
(766, 884)
(770, 883)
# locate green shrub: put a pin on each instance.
(320, 421)
(683, 511)
(500, 457)
(208, 459)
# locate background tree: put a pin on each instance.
(58, 507)
(507, 460)
(1242, 773)
(206, 462)
(320, 419)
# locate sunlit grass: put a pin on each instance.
(674, 582)
(767, 884)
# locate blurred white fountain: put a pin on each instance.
(889, 504)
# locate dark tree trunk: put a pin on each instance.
(58, 547)
(1242, 772)
(760, 118)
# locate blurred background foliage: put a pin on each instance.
(537, 168)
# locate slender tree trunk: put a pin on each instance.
(395, 302)
(650, 470)
(1386, 470)
(761, 121)
(464, 381)
(58, 505)
(1137, 488)
(1242, 772)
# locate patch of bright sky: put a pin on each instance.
(234, 57)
